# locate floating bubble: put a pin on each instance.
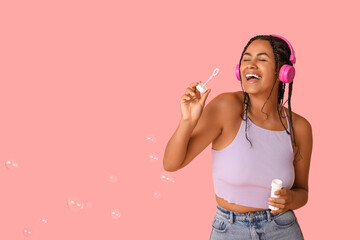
(43, 220)
(115, 214)
(27, 232)
(153, 158)
(156, 195)
(113, 178)
(150, 138)
(75, 204)
(167, 178)
(11, 164)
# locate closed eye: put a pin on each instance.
(259, 60)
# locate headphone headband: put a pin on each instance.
(292, 55)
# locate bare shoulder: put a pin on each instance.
(300, 123)
(229, 102)
(303, 129)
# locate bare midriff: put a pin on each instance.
(234, 207)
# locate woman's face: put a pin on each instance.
(259, 59)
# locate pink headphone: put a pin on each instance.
(287, 72)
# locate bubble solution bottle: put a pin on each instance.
(276, 185)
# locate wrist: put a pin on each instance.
(188, 121)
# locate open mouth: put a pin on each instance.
(251, 77)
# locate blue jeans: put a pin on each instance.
(261, 225)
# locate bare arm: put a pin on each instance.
(192, 137)
(177, 146)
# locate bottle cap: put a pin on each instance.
(201, 87)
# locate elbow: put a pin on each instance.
(168, 168)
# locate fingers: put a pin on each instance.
(187, 97)
(281, 192)
(204, 97)
(190, 92)
(277, 200)
(278, 205)
(193, 85)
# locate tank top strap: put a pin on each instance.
(287, 120)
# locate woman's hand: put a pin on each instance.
(283, 202)
(192, 102)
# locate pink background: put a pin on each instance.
(90, 95)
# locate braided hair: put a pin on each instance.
(282, 53)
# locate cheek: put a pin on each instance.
(242, 68)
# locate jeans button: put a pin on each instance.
(251, 214)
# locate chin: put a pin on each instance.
(255, 90)
(252, 87)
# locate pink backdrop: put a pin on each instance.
(90, 95)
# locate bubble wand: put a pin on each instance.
(201, 87)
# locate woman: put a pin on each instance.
(252, 144)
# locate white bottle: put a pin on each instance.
(201, 87)
(276, 184)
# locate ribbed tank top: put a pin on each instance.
(243, 175)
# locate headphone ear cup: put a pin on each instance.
(286, 73)
(237, 72)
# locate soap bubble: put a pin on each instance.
(153, 158)
(75, 204)
(167, 178)
(150, 138)
(11, 164)
(115, 214)
(43, 220)
(156, 195)
(113, 178)
(27, 232)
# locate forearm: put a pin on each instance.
(299, 198)
(176, 148)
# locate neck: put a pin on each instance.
(270, 108)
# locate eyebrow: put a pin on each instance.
(257, 54)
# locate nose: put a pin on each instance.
(250, 63)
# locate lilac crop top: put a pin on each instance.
(243, 175)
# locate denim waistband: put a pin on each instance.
(249, 216)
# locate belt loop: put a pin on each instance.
(269, 215)
(231, 220)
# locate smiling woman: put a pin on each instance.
(253, 142)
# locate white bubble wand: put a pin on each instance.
(201, 87)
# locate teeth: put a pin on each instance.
(252, 75)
